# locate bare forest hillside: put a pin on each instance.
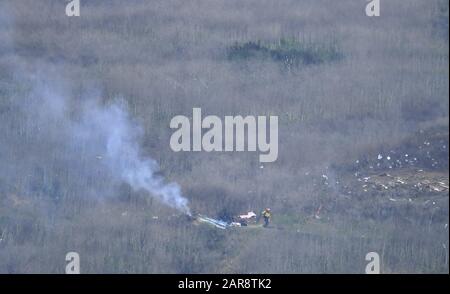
(363, 110)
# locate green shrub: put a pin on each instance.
(287, 51)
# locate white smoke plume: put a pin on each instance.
(122, 152)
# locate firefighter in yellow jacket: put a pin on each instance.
(266, 214)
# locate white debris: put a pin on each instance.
(392, 199)
(217, 223)
(400, 181)
(249, 215)
(380, 157)
(436, 189)
(384, 186)
(388, 158)
(325, 177)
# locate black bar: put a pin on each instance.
(225, 282)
